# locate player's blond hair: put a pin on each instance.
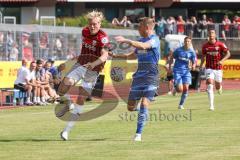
(95, 14)
(147, 21)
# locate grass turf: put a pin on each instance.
(33, 132)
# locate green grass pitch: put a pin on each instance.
(32, 133)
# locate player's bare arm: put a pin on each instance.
(136, 44)
(170, 61)
(203, 58)
(129, 56)
(100, 60)
(227, 55)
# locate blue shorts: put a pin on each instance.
(182, 77)
(137, 92)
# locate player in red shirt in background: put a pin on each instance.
(215, 53)
(94, 54)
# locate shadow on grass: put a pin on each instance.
(50, 140)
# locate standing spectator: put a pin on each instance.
(1, 45)
(226, 27)
(180, 25)
(160, 27)
(203, 26)
(211, 24)
(196, 31)
(43, 44)
(58, 47)
(125, 22)
(236, 26)
(27, 49)
(170, 25)
(9, 44)
(14, 52)
(189, 28)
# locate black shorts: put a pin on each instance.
(20, 86)
(170, 77)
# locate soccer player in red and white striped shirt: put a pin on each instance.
(94, 54)
(215, 53)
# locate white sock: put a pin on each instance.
(38, 100)
(69, 126)
(28, 99)
(210, 95)
(34, 99)
(77, 109)
(67, 96)
(43, 99)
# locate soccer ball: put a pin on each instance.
(117, 74)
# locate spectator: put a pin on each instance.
(125, 22)
(1, 45)
(170, 25)
(14, 52)
(211, 25)
(22, 82)
(115, 22)
(236, 26)
(226, 27)
(43, 44)
(27, 49)
(57, 75)
(160, 27)
(203, 26)
(180, 25)
(196, 30)
(58, 47)
(9, 44)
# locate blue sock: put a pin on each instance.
(183, 98)
(142, 118)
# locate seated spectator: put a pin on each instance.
(57, 75)
(125, 22)
(115, 22)
(22, 82)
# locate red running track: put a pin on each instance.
(113, 92)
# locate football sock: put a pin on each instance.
(183, 98)
(77, 109)
(210, 94)
(142, 118)
(137, 106)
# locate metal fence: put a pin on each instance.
(62, 43)
(47, 42)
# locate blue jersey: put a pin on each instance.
(182, 58)
(147, 71)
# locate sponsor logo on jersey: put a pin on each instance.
(104, 40)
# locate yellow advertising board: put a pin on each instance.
(8, 70)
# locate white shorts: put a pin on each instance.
(214, 74)
(88, 78)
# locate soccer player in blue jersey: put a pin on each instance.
(185, 58)
(145, 79)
